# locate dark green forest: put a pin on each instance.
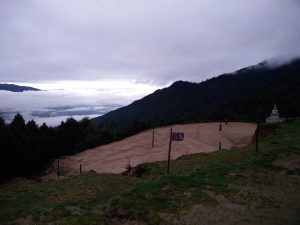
(248, 94)
(26, 149)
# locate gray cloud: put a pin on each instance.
(149, 41)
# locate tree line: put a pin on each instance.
(26, 149)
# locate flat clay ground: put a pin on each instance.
(137, 149)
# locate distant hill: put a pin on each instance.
(16, 88)
(247, 94)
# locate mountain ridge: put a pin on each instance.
(247, 94)
(16, 88)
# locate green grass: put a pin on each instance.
(97, 198)
(47, 201)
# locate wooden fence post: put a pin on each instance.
(169, 153)
(220, 133)
(58, 169)
(152, 138)
(257, 132)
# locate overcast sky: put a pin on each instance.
(157, 41)
(122, 50)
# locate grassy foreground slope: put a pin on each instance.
(229, 187)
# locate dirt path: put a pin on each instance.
(137, 149)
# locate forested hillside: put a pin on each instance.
(247, 94)
(26, 149)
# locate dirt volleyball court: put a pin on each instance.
(137, 149)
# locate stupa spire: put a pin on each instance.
(274, 117)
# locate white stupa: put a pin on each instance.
(274, 117)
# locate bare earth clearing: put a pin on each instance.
(137, 149)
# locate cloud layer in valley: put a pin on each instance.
(63, 99)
